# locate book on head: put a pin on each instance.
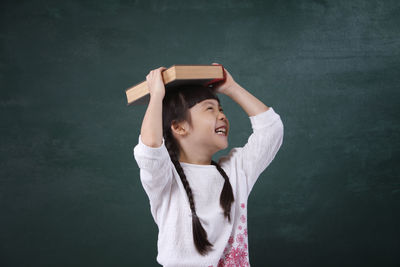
(174, 76)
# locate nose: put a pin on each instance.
(222, 116)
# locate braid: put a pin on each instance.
(201, 242)
(226, 197)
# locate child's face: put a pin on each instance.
(206, 117)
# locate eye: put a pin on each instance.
(210, 108)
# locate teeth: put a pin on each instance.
(221, 131)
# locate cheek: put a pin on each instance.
(203, 125)
(206, 129)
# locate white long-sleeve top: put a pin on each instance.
(169, 203)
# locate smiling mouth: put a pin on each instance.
(222, 132)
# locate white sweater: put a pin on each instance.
(169, 203)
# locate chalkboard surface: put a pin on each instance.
(70, 193)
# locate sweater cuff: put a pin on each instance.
(264, 119)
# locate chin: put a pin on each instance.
(225, 146)
(222, 144)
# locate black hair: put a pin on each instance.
(176, 104)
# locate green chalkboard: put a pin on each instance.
(70, 193)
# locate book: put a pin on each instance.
(176, 75)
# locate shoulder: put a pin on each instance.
(231, 156)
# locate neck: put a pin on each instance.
(195, 159)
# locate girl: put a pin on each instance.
(199, 205)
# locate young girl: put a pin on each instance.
(199, 205)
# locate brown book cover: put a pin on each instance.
(177, 75)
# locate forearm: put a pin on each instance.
(151, 131)
(250, 104)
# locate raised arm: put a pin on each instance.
(151, 131)
(265, 141)
(156, 169)
(250, 104)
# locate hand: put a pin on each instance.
(155, 82)
(226, 85)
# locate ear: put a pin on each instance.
(180, 128)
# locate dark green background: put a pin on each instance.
(70, 193)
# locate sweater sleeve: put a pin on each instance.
(262, 146)
(156, 174)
